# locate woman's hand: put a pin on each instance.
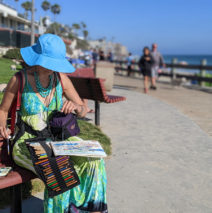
(71, 94)
(68, 107)
(4, 132)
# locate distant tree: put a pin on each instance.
(17, 6)
(85, 34)
(27, 7)
(83, 25)
(71, 36)
(82, 44)
(45, 5)
(55, 9)
(84, 30)
(54, 28)
(76, 27)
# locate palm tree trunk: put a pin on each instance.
(55, 30)
(32, 23)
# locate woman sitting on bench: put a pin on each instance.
(42, 93)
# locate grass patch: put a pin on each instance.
(1, 96)
(208, 84)
(5, 71)
(88, 132)
(207, 75)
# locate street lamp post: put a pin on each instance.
(32, 23)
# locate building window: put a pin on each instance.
(36, 30)
(11, 24)
(20, 26)
(2, 21)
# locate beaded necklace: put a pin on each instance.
(44, 92)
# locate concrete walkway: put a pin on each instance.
(192, 102)
(161, 161)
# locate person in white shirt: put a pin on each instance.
(158, 62)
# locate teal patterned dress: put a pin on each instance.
(90, 195)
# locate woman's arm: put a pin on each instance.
(9, 95)
(73, 102)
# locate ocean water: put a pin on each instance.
(189, 59)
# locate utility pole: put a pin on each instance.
(32, 23)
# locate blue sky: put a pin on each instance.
(178, 26)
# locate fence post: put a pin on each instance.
(202, 71)
(173, 70)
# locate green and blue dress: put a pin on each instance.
(90, 195)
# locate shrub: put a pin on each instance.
(13, 54)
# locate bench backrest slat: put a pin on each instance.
(89, 88)
(83, 73)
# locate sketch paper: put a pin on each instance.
(78, 148)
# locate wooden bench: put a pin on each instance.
(89, 87)
(14, 179)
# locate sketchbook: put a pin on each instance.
(87, 148)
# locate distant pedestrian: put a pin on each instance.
(110, 57)
(94, 56)
(101, 55)
(145, 63)
(129, 60)
(158, 62)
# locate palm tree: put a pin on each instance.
(85, 34)
(55, 9)
(83, 25)
(76, 27)
(27, 7)
(46, 5)
(17, 4)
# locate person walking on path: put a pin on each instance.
(145, 63)
(158, 62)
(44, 83)
(129, 64)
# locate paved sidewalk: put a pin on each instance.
(192, 102)
(161, 161)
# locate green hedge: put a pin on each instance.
(13, 54)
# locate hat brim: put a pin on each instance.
(58, 65)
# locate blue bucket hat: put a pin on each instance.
(49, 52)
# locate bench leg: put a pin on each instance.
(16, 199)
(97, 113)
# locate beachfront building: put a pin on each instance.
(15, 29)
(119, 51)
(10, 19)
